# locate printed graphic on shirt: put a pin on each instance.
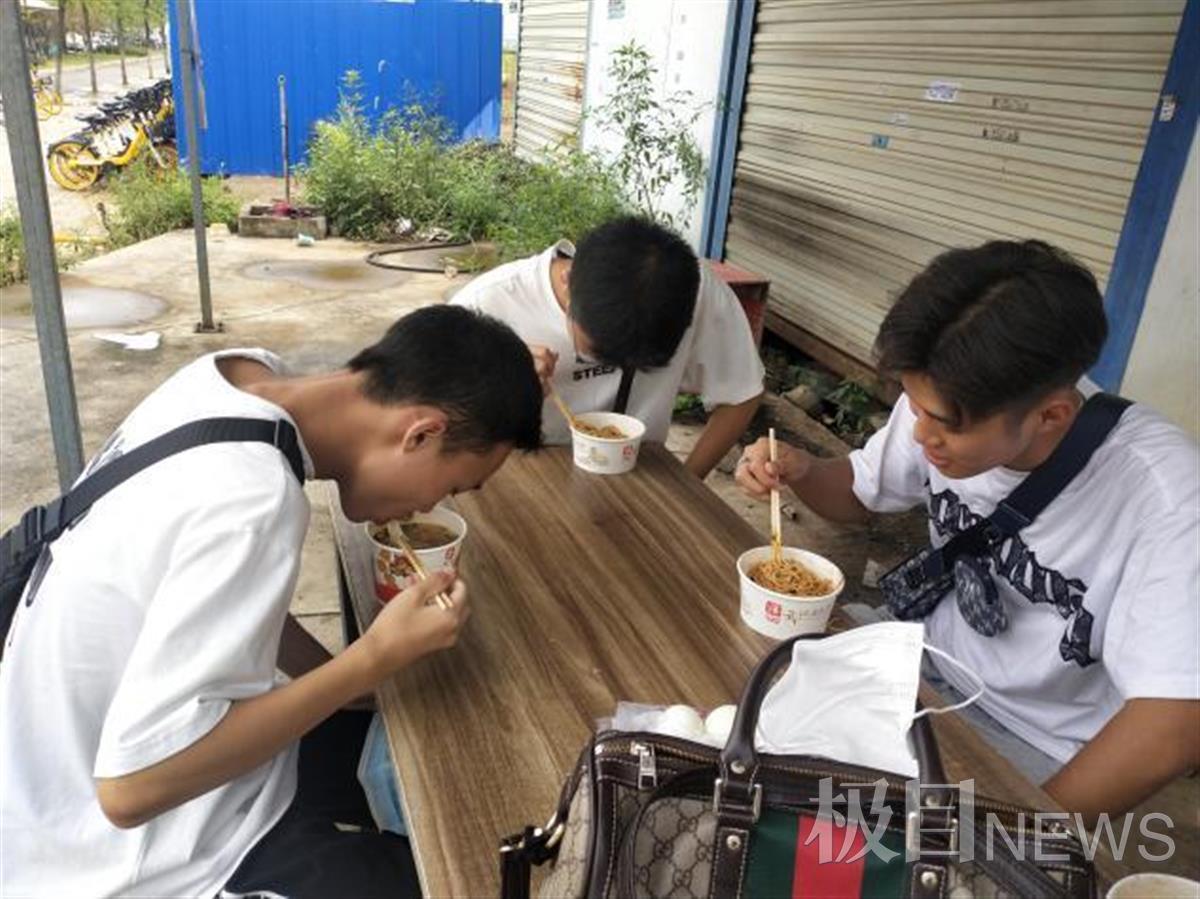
(1016, 563)
(593, 371)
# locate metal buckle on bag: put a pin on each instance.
(915, 827)
(755, 792)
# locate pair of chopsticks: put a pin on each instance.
(776, 523)
(562, 406)
(396, 535)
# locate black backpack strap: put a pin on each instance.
(1093, 424)
(49, 521)
(622, 401)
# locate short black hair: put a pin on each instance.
(996, 327)
(633, 290)
(471, 366)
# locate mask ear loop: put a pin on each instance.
(970, 700)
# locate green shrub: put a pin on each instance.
(150, 203)
(12, 248)
(404, 174)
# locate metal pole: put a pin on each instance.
(283, 127)
(25, 150)
(187, 62)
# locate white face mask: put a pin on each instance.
(850, 697)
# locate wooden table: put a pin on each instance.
(585, 591)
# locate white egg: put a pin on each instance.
(719, 722)
(681, 721)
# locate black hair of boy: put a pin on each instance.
(471, 366)
(996, 327)
(633, 287)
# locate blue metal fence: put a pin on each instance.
(442, 51)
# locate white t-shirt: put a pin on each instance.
(716, 359)
(1100, 591)
(160, 608)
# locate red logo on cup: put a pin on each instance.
(774, 611)
(627, 452)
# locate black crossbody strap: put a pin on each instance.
(66, 509)
(622, 401)
(1093, 424)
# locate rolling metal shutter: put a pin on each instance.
(877, 134)
(551, 61)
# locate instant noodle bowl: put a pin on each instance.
(781, 615)
(392, 571)
(598, 449)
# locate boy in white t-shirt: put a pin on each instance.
(148, 747)
(623, 323)
(1099, 667)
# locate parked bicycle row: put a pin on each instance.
(136, 125)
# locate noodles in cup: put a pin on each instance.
(419, 534)
(606, 432)
(789, 577)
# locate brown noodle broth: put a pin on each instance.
(790, 578)
(419, 534)
(608, 432)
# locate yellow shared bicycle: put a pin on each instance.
(136, 126)
(46, 98)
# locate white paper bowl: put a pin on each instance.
(392, 571)
(777, 614)
(1154, 886)
(603, 455)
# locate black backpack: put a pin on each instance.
(40, 526)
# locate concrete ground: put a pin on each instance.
(316, 307)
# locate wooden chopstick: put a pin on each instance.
(562, 406)
(776, 523)
(396, 535)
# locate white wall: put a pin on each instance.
(1164, 367)
(686, 40)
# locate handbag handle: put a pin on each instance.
(739, 757)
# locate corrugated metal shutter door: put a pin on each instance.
(551, 60)
(877, 134)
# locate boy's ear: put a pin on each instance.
(428, 426)
(1057, 410)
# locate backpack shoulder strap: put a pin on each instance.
(46, 523)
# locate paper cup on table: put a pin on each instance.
(779, 615)
(607, 455)
(1154, 886)
(392, 571)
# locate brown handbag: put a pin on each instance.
(644, 814)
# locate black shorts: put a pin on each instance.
(305, 856)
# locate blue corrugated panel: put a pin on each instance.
(440, 49)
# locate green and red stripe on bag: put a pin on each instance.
(795, 856)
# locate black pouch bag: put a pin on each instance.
(914, 587)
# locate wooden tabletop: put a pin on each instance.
(586, 590)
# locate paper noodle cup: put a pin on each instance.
(1154, 886)
(392, 571)
(607, 455)
(779, 615)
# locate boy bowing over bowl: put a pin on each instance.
(623, 323)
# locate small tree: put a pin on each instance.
(149, 40)
(87, 40)
(61, 42)
(657, 148)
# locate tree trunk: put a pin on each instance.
(87, 39)
(62, 45)
(149, 44)
(121, 47)
(162, 36)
